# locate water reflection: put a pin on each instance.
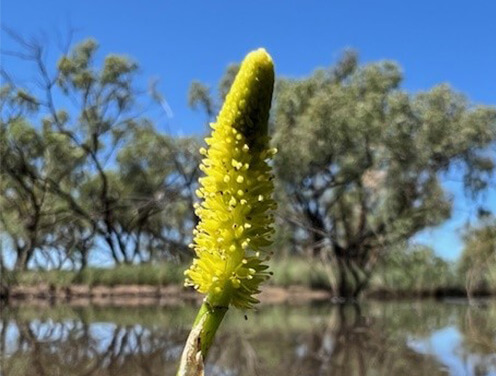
(425, 338)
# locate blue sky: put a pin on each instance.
(180, 41)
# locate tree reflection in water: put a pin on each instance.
(374, 339)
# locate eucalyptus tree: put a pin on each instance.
(81, 156)
(362, 161)
(29, 211)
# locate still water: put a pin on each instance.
(400, 338)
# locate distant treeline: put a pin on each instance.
(359, 170)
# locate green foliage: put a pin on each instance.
(144, 274)
(415, 269)
(162, 274)
(58, 278)
(406, 270)
(300, 271)
(362, 161)
(82, 166)
(478, 261)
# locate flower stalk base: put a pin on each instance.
(200, 338)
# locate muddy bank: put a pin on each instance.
(130, 295)
(136, 295)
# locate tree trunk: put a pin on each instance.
(84, 261)
(317, 244)
(23, 256)
(351, 279)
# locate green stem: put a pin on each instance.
(201, 336)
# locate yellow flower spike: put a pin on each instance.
(245, 115)
(234, 223)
